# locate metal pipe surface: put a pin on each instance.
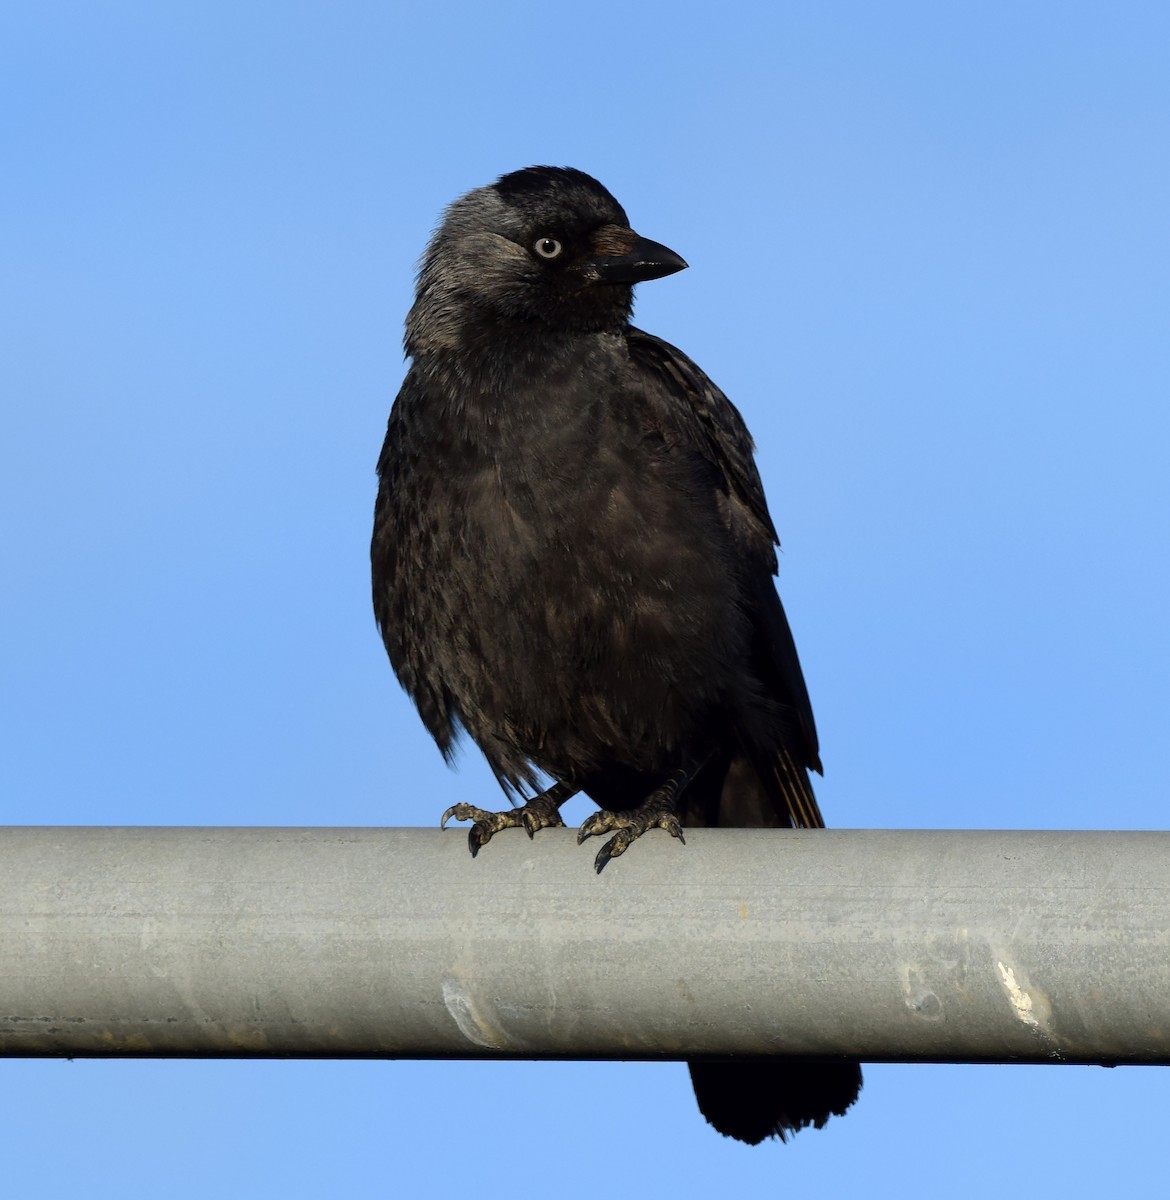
(913, 946)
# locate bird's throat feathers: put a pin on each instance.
(445, 322)
(535, 355)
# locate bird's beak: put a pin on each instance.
(647, 260)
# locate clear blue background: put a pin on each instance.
(929, 258)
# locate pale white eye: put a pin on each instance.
(547, 247)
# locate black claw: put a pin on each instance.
(596, 823)
(614, 848)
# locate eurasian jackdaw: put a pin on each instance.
(573, 560)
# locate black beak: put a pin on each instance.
(647, 260)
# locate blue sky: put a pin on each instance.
(929, 259)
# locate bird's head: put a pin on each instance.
(546, 246)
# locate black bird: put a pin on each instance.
(573, 559)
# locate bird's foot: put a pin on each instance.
(541, 812)
(656, 813)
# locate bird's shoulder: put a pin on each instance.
(714, 423)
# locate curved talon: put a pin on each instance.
(616, 846)
(540, 814)
(462, 812)
(598, 822)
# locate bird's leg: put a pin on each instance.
(657, 811)
(541, 812)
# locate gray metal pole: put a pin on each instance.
(921, 945)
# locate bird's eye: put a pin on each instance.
(547, 247)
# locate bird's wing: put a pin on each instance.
(398, 497)
(719, 429)
(717, 422)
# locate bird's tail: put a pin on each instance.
(753, 1099)
(759, 1098)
